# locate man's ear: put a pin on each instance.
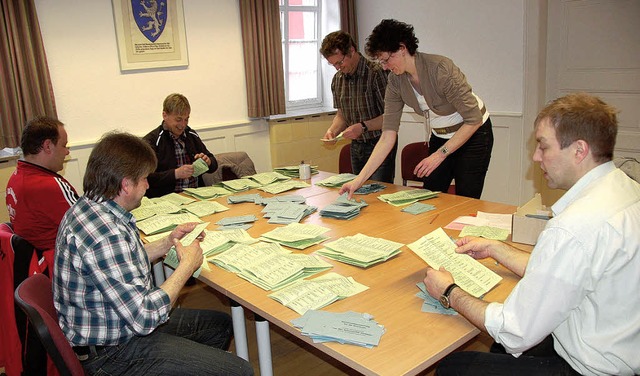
(126, 185)
(582, 149)
(47, 145)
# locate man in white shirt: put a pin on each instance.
(575, 310)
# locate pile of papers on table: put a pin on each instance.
(336, 180)
(266, 178)
(297, 235)
(343, 208)
(204, 208)
(350, 328)
(287, 212)
(165, 222)
(369, 188)
(206, 193)
(239, 185)
(407, 197)
(294, 171)
(237, 199)
(418, 208)
(268, 265)
(318, 292)
(360, 250)
(280, 187)
(241, 221)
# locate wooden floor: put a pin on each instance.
(290, 356)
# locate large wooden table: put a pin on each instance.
(413, 340)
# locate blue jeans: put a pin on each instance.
(192, 342)
(360, 153)
(539, 360)
(468, 165)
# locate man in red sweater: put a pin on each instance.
(37, 196)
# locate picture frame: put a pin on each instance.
(150, 34)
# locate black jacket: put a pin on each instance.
(163, 180)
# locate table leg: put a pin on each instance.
(264, 346)
(239, 330)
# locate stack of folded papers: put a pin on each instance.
(280, 187)
(171, 258)
(287, 212)
(360, 250)
(239, 185)
(336, 180)
(407, 197)
(268, 265)
(242, 221)
(174, 198)
(418, 208)
(294, 171)
(298, 199)
(343, 208)
(148, 209)
(318, 292)
(207, 193)
(369, 188)
(432, 304)
(237, 199)
(165, 222)
(296, 235)
(350, 328)
(199, 167)
(204, 208)
(266, 178)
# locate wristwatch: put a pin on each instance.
(444, 150)
(364, 127)
(444, 298)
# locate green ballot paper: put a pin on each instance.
(199, 167)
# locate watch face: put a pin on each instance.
(444, 301)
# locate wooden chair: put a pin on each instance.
(35, 297)
(344, 163)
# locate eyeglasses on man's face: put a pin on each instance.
(338, 64)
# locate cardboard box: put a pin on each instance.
(529, 221)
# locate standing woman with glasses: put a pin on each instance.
(456, 119)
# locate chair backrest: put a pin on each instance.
(410, 156)
(344, 163)
(35, 297)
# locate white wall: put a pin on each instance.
(93, 96)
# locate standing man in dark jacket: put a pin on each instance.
(177, 147)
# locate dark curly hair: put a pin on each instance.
(338, 40)
(388, 36)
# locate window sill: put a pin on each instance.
(305, 112)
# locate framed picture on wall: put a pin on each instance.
(150, 34)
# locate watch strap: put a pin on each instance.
(364, 126)
(448, 290)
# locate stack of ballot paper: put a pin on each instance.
(437, 249)
(199, 167)
(418, 208)
(336, 180)
(280, 187)
(171, 258)
(369, 188)
(350, 328)
(339, 137)
(242, 221)
(174, 198)
(294, 171)
(237, 199)
(407, 197)
(298, 199)
(204, 208)
(287, 212)
(318, 292)
(343, 208)
(360, 250)
(239, 185)
(165, 222)
(296, 235)
(266, 178)
(432, 304)
(268, 265)
(207, 193)
(148, 209)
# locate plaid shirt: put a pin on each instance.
(360, 95)
(102, 287)
(182, 159)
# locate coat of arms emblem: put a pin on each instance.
(150, 16)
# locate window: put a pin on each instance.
(303, 24)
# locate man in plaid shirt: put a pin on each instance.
(117, 321)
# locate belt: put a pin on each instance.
(453, 128)
(83, 352)
(369, 136)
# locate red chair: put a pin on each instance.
(410, 156)
(35, 297)
(344, 163)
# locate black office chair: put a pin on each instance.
(344, 163)
(35, 297)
